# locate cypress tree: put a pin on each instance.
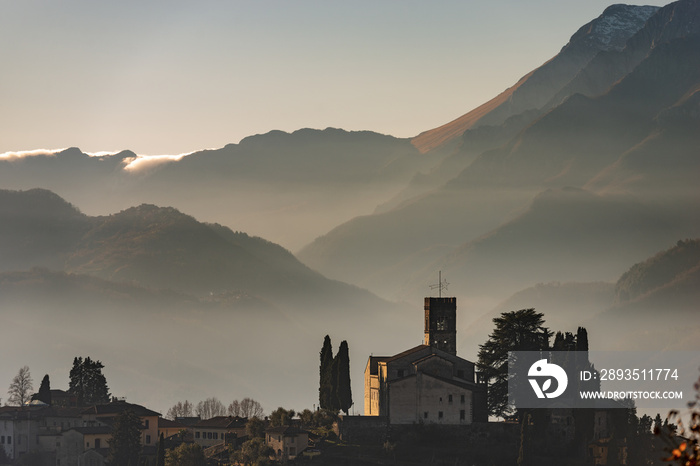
(160, 460)
(325, 389)
(45, 390)
(343, 391)
(125, 444)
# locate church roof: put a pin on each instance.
(430, 356)
(407, 352)
(373, 364)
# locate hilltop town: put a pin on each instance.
(425, 405)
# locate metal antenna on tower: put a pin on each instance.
(440, 285)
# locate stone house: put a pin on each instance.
(36, 428)
(104, 414)
(209, 432)
(286, 441)
(169, 428)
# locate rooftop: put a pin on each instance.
(223, 422)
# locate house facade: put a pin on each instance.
(286, 441)
(35, 428)
(213, 431)
(105, 414)
(428, 383)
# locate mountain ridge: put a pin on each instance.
(597, 35)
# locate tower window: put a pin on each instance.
(442, 324)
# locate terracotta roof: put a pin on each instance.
(287, 431)
(430, 356)
(408, 352)
(188, 421)
(167, 423)
(39, 412)
(223, 422)
(93, 430)
(117, 407)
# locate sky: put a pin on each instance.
(172, 77)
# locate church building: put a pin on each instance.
(428, 383)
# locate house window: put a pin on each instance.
(146, 422)
(216, 436)
(209, 435)
(462, 415)
(2, 440)
(439, 414)
(461, 399)
(292, 451)
(425, 415)
(292, 440)
(449, 399)
(148, 439)
(98, 443)
(196, 434)
(87, 444)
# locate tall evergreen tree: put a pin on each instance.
(325, 389)
(125, 444)
(522, 330)
(160, 460)
(333, 404)
(87, 382)
(581, 339)
(45, 390)
(343, 391)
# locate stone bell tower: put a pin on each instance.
(441, 324)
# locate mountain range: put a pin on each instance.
(612, 145)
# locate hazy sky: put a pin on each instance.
(167, 77)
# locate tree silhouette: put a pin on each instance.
(325, 390)
(521, 330)
(125, 444)
(160, 459)
(44, 394)
(87, 382)
(21, 387)
(342, 378)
